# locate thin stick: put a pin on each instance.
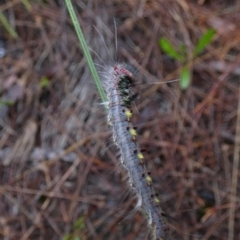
(234, 176)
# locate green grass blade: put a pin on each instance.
(27, 5)
(169, 49)
(8, 27)
(204, 41)
(85, 50)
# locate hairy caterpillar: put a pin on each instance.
(118, 82)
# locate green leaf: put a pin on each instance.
(77, 238)
(204, 41)
(44, 82)
(169, 49)
(185, 78)
(79, 223)
(67, 237)
(6, 102)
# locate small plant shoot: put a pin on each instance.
(44, 82)
(180, 54)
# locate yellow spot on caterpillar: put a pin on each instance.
(149, 180)
(128, 114)
(140, 157)
(133, 133)
(156, 200)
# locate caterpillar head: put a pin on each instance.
(125, 83)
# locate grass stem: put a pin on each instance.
(85, 50)
(7, 25)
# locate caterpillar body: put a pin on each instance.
(118, 82)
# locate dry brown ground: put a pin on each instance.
(58, 171)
